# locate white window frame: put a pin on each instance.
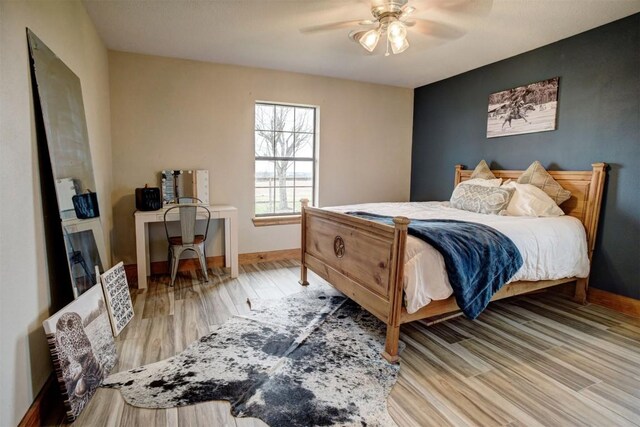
(277, 218)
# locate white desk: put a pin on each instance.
(228, 213)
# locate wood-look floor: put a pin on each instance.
(537, 360)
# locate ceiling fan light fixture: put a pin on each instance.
(369, 40)
(400, 46)
(396, 32)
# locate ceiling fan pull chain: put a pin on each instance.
(387, 52)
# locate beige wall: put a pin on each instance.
(24, 284)
(172, 113)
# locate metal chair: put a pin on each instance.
(75, 257)
(177, 201)
(188, 240)
(186, 199)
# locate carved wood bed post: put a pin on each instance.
(594, 200)
(456, 180)
(396, 289)
(303, 242)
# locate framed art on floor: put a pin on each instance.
(82, 349)
(118, 299)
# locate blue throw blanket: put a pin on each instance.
(479, 259)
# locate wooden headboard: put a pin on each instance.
(586, 193)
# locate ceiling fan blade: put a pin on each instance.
(435, 29)
(467, 7)
(334, 26)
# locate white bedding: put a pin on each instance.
(552, 248)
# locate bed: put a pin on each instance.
(366, 259)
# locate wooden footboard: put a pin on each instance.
(362, 259)
(365, 259)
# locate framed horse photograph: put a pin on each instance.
(524, 109)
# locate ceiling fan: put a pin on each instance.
(392, 19)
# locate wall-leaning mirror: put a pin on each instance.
(60, 96)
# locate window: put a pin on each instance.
(285, 146)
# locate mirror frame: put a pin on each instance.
(60, 94)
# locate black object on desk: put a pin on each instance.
(148, 199)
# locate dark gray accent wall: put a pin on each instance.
(598, 121)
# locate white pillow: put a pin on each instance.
(529, 200)
(483, 182)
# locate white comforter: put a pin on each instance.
(552, 248)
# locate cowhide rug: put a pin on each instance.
(310, 359)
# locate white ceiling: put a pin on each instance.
(266, 33)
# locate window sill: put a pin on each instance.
(265, 221)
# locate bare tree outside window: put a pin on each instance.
(284, 157)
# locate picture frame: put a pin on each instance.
(117, 297)
(523, 109)
(82, 349)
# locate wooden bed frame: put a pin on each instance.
(365, 259)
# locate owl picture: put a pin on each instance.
(81, 371)
(82, 349)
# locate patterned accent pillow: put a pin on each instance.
(482, 171)
(537, 175)
(484, 182)
(480, 199)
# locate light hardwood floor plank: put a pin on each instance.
(409, 408)
(206, 414)
(611, 314)
(602, 355)
(445, 333)
(613, 398)
(545, 398)
(189, 325)
(518, 331)
(597, 338)
(426, 341)
(621, 379)
(452, 391)
(158, 340)
(106, 407)
(584, 325)
(514, 352)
